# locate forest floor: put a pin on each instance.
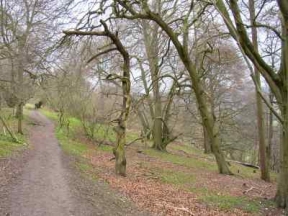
(182, 181)
(43, 181)
(77, 178)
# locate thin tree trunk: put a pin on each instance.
(20, 118)
(265, 175)
(151, 46)
(144, 123)
(270, 134)
(207, 144)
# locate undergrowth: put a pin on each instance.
(7, 145)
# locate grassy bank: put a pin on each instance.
(183, 167)
(7, 145)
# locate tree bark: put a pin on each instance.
(119, 151)
(207, 144)
(120, 129)
(20, 118)
(282, 187)
(207, 117)
(151, 47)
(145, 124)
(270, 134)
(265, 175)
(19, 108)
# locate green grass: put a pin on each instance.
(102, 132)
(237, 169)
(227, 202)
(70, 146)
(105, 148)
(7, 145)
(188, 149)
(29, 106)
(177, 178)
(191, 162)
(77, 149)
(87, 169)
(248, 172)
(50, 114)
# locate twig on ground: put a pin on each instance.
(178, 208)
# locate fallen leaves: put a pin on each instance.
(143, 186)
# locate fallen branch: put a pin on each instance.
(244, 164)
(248, 190)
(178, 208)
(139, 138)
(255, 189)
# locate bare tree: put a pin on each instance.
(277, 80)
(135, 10)
(25, 40)
(119, 149)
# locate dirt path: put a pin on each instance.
(48, 185)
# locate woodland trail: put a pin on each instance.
(48, 184)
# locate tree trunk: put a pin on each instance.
(207, 144)
(270, 133)
(151, 47)
(216, 149)
(207, 117)
(184, 54)
(119, 151)
(157, 128)
(282, 187)
(265, 175)
(20, 117)
(166, 136)
(145, 124)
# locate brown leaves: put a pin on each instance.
(144, 187)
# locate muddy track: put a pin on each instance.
(47, 184)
